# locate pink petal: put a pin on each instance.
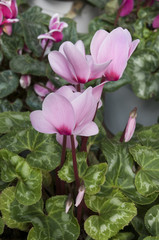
(78, 62)
(7, 28)
(80, 46)
(40, 90)
(40, 124)
(59, 139)
(87, 130)
(97, 40)
(97, 70)
(14, 8)
(55, 18)
(57, 35)
(126, 7)
(59, 112)
(1, 17)
(51, 86)
(155, 22)
(6, 10)
(62, 25)
(68, 92)
(133, 47)
(80, 195)
(116, 48)
(84, 107)
(25, 81)
(130, 127)
(46, 36)
(61, 66)
(97, 91)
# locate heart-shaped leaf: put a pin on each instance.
(120, 173)
(28, 188)
(123, 236)
(147, 178)
(44, 152)
(114, 213)
(56, 225)
(13, 120)
(152, 220)
(6, 106)
(9, 83)
(6, 198)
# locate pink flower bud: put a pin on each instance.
(130, 127)
(80, 195)
(25, 81)
(155, 22)
(68, 204)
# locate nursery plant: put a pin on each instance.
(63, 174)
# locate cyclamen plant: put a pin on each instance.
(63, 174)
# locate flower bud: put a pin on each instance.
(25, 81)
(130, 127)
(68, 204)
(80, 195)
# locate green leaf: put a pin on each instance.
(152, 220)
(6, 198)
(99, 4)
(32, 235)
(6, 106)
(147, 178)
(56, 225)
(124, 236)
(120, 174)
(32, 100)
(114, 214)
(9, 82)
(33, 25)
(13, 120)
(28, 188)
(94, 177)
(149, 136)
(11, 45)
(139, 226)
(44, 151)
(151, 238)
(1, 57)
(66, 173)
(1, 225)
(24, 64)
(142, 71)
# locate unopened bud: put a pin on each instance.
(25, 81)
(80, 195)
(130, 127)
(68, 204)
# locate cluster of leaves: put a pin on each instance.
(142, 71)
(121, 184)
(32, 23)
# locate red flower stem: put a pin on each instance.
(78, 88)
(79, 212)
(60, 185)
(75, 162)
(42, 55)
(122, 136)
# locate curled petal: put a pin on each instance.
(87, 130)
(59, 112)
(25, 81)
(55, 18)
(130, 127)
(51, 86)
(40, 90)
(14, 8)
(62, 25)
(7, 28)
(6, 10)
(133, 46)
(40, 124)
(68, 205)
(155, 22)
(126, 7)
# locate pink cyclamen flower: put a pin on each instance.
(80, 195)
(25, 81)
(126, 7)
(55, 32)
(155, 22)
(8, 14)
(67, 112)
(116, 46)
(130, 127)
(42, 90)
(71, 63)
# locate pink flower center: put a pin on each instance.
(112, 76)
(63, 130)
